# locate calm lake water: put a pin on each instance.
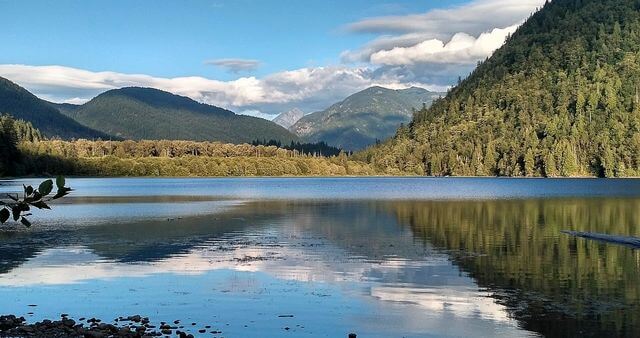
(298, 257)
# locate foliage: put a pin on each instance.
(9, 153)
(560, 98)
(18, 208)
(152, 148)
(179, 158)
(363, 117)
(146, 113)
(21, 104)
(26, 132)
(316, 149)
(12, 132)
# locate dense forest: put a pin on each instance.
(12, 133)
(560, 98)
(316, 149)
(177, 158)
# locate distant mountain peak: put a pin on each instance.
(289, 118)
(362, 118)
(163, 99)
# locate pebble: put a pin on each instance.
(136, 318)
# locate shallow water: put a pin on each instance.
(382, 257)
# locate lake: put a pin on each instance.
(323, 257)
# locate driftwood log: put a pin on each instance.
(633, 242)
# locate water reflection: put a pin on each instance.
(352, 254)
(382, 268)
(553, 283)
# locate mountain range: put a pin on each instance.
(364, 117)
(146, 113)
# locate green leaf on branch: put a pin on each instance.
(16, 212)
(25, 222)
(18, 209)
(45, 187)
(40, 205)
(62, 192)
(4, 215)
(60, 181)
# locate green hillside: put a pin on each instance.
(146, 113)
(21, 104)
(362, 118)
(560, 98)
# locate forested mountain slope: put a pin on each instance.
(364, 117)
(21, 104)
(560, 98)
(147, 113)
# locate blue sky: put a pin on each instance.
(252, 56)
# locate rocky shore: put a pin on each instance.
(131, 326)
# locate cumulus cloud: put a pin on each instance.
(462, 48)
(308, 88)
(429, 31)
(235, 65)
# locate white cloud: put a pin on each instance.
(462, 48)
(472, 18)
(257, 113)
(75, 100)
(235, 65)
(418, 33)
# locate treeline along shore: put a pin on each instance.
(179, 158)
